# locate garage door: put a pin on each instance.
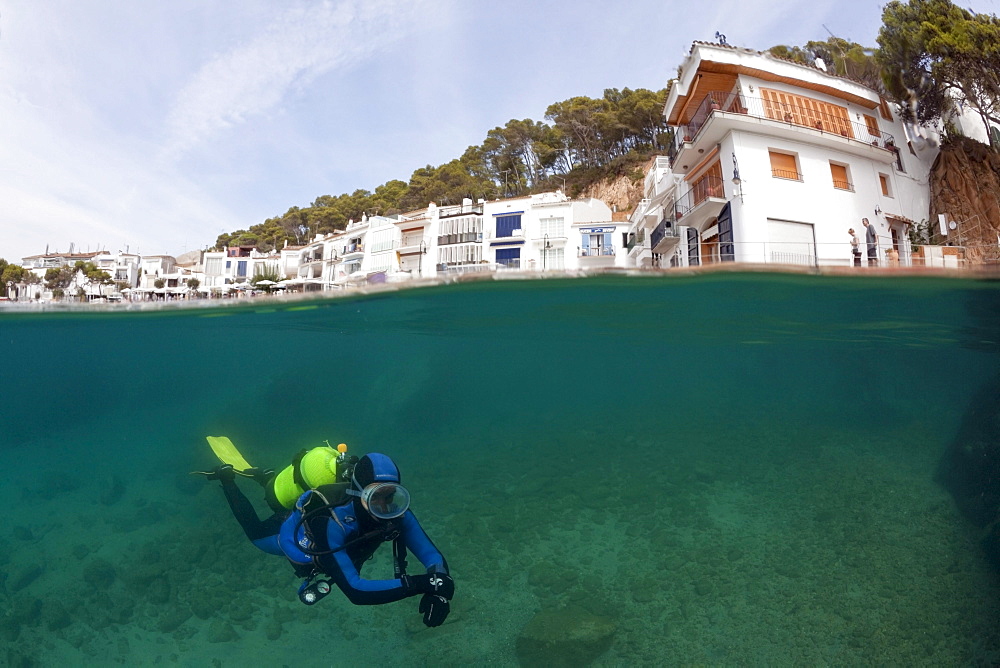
(791, 243)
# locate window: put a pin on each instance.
(783, 166)
(241, 268)
(553, 227)
(840, 178)
(596, 244)
(883, 108)
(872, 124)
(553, 258)
(507, 224)
(509, 257)
(801, 110)
(883, 181)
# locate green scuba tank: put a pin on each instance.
(319, 466)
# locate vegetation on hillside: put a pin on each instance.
(934, 53)
(584, 140)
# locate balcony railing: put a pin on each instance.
(596, 251)
(353, 248)
(460, 238)
(735, 103)
(707, 186)
(664, 229)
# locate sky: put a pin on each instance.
(155, 126)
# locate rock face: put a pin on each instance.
(568, 637)
(965, 185)
(621, 193)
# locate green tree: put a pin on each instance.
(841, 57)
(12, 273)
(59, 278)
(933, 51)
(93, 275)
(265, 272)
(193, 283)
(159, 283)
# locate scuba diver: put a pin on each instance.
(331, 513)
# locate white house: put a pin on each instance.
(777, 160)
(235, 265)
(550, 232)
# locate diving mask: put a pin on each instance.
(385, 500)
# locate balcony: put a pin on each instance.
(702, 202)
(460, 238)
(722, 112)
(664, 236)
(596, 251)
(353, 249)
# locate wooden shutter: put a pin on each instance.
(801, 110)
(839, 174)
(783, 165)
(872, 124)
(884, 182)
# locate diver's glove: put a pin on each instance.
(436, 584)
(435, 609)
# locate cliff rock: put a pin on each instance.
(965, 185)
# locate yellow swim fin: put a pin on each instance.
(227, 453)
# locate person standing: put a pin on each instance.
(871, 238)
(855, 247)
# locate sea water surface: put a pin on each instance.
(731, 469)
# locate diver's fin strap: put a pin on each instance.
(242, 473)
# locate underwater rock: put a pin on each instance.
(568, 637)
(55, 616)
(20, 579)
(171, 618)
(23, 533)
(99, 574)
(221, 631)
(112, 491)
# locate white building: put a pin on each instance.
(236, 265)
(777, 160)
(652, 223)
(550, 232)
(122, 268)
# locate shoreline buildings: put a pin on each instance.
(772, 162)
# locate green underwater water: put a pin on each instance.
(737, 469)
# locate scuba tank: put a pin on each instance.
(310, 469)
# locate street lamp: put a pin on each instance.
(420, 260)
(545, 252)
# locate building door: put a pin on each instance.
(790, 242)
(727, 250)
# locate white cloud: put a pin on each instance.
(301, 43)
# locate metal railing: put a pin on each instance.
(707, 186)
(792, 114)
(595, 251)
(665, 228)
(811, 254)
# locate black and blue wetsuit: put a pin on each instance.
(284, 534)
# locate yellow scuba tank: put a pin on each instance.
(313, 468)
